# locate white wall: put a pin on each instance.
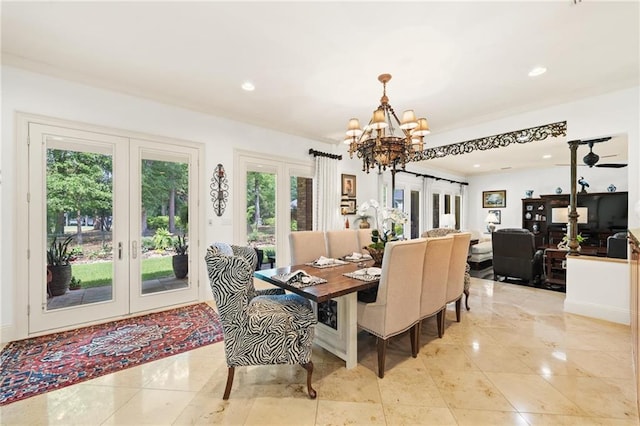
(33, 93)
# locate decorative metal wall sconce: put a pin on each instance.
(219, 190)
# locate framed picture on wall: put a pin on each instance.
(494, 199)
(349, 185)
(352, 207)
(497, 213)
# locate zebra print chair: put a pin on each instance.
(259, 330)
(250, 255)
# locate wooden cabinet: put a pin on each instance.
(555, 267)
(534, 218)
(634, 235)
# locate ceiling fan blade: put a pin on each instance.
(612, 165)
(592, 141)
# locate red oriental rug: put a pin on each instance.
(34, 366)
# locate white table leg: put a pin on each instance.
(344, 341)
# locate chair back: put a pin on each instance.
(231, 280)
(513, 253)
(397, 306)
(306, 246)
(342, 242)
(435, 275)
(364, 238)
(458, 265)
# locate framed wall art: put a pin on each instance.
(349, 185)
(497, 213)
(494, 199)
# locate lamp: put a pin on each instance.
(344, 207)
(491, 219)
(378, 144)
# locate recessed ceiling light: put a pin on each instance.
(248, 86)
(547, 156)
(537, 71)
(476, 165)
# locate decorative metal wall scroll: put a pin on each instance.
(496, 141)
(219, 190)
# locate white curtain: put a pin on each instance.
(326, 193)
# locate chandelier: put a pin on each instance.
(379, 144)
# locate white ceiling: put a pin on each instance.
(315, 65)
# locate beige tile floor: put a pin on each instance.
(515, 359)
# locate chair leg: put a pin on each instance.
(382, 352)
(440, 321)
(309, 367)
(458, 303)
(227, 389)
(414, 333)
(466, 299)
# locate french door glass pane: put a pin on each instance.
(415, 214)
(261, 213)
(301, 203)
(164, 224)
(79, 193)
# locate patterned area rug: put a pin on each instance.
(41, 364)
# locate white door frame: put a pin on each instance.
(22, 273)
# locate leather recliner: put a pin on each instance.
(515, 255)
(617, 245)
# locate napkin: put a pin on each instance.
(354, 256)
(369, 271)
(323, 261)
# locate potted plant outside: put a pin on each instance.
(58, 263)
(180, 260)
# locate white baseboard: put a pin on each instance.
(592, 310)
(7, 334)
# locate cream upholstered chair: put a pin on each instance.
(364, 238)
(397, 306)
(441, 232)
(306, 246)
(260, 330)
(342, 242)
(435, 273)
(457, 269)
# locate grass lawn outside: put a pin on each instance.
(101, 273)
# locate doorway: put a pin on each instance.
(104, 218)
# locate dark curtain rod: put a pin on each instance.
(324, 154)
(433, 177)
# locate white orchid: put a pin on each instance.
(385, 220)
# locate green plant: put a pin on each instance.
(59, 253)
(162, 239)
(579, 238)
(75, 283)
(180, 245)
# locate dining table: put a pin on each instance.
(340, 336)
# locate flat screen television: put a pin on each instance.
(607, 211)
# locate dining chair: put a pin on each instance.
(457, 269)
(435, 273)
(441, 232)
(250, 255)
(263, 330)
(307, 246)
(364, 238)
(342, 242)
(397, 305)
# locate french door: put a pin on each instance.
(110, 207)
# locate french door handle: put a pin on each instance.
(134, 249)
(120, 250)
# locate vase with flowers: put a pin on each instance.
(386, 220)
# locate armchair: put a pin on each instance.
(515, 255)
(263, 330)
